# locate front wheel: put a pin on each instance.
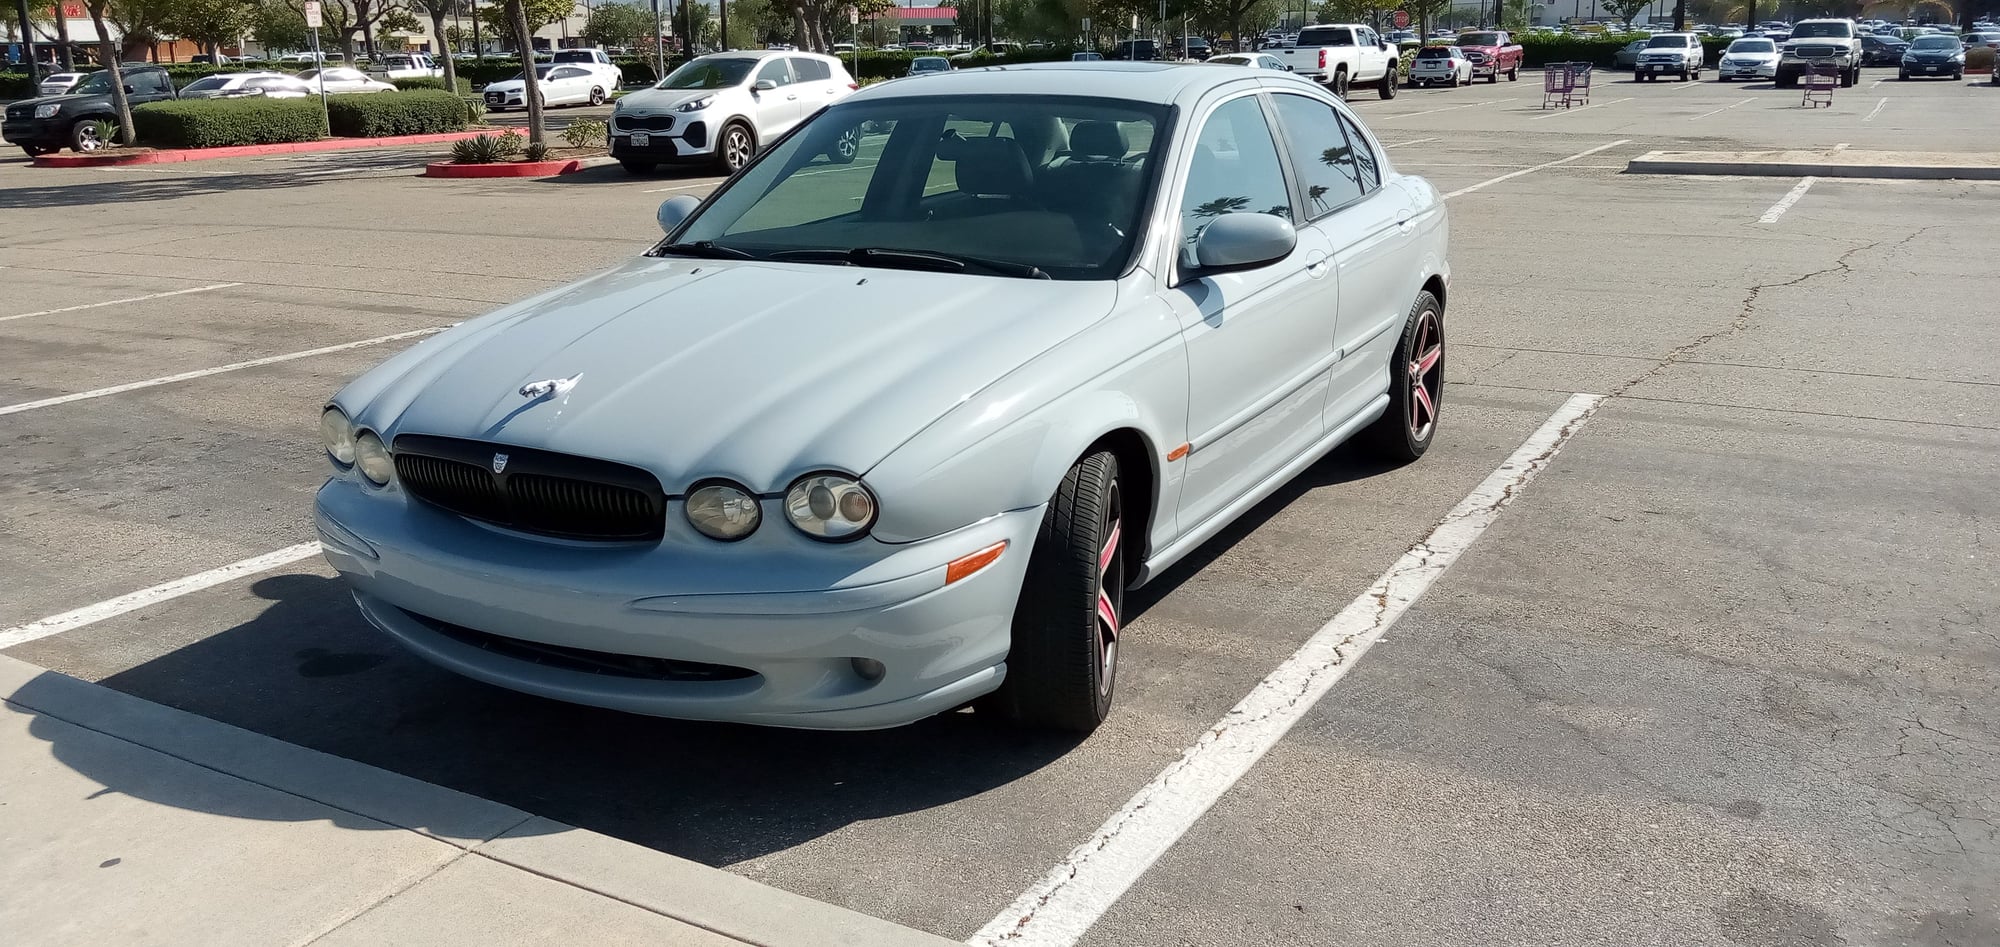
(1062, 666)
(1494, 77)
(735, 148)
(1514, 74)
(1416, 385)
(1387, 88)
(36, 151)
(846, 146)
(84, 139)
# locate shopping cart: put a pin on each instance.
(1819, 79)
(1565, 84)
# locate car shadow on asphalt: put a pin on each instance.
(308, 670)
(165, 187)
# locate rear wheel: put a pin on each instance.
(36, 151)
(1387, 87)
(1062, 666)
(1453, 84)
(1416, 385)
(1340, 83)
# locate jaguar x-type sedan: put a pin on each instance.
(860, 443)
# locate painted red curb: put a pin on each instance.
(176, 156)
(511, 169)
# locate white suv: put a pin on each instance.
(1669, 54)
(725, 107)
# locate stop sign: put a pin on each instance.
(1402, 19)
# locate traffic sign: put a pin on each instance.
(313, 20)
(1402, 19)
(853, 16)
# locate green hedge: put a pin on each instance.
(215, 123)
(15, 85)
(419, 112)
(430, 82)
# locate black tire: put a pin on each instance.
(638, 167)
(1339, 84)
(1638, 76)
(36, 151)
(728, 155)
(1902, 77)
(1402, 434)
(597, 95)
(83, 137)
(1494, 79)
(1387, 87)
(1722, 78)
(1846, 79)
(1063, 664)
(1453, 84)
(1514, 74)
(845, 146)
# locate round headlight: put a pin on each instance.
(337, 435)
(723, 511)
(372, 456)
(830, 506)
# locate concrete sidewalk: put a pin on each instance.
(123, 821)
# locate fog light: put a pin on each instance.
(869, 669)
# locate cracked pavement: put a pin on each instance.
(1723, 673)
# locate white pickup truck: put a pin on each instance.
(1343, 55)
(405, 66)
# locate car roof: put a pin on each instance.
(1159, 83)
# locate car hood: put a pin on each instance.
(664, 100)
(507, 85)
(1488, 50)
(65, 98)
(748, 370)
(1750, 57)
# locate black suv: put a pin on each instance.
(48, 124)
(1878, 50)
(1136, 50)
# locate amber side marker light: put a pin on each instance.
(966, 565)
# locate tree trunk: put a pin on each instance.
(799, 26)
(109, 53)
(1681, 16)
(437, 30)
(531, 94)
(62, 36)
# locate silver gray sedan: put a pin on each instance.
(860, 443)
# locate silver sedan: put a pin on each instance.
(860, 443)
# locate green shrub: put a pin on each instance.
(16, 85)
(381, 114)
(536, 151)
(584, 133)
(430, 82)
(216, 123)
(475, 109)
(483, 149)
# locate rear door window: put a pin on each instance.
(811, 70)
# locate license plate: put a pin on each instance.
(1659, 69)
(1933, 68)
(641, 139)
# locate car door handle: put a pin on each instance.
(791, 98)
(1404, 221)
(1316, 264)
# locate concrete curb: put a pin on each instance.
(515, 169)
(675, 888)
(176, 156)
(1665, 162)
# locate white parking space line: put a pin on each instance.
(1725, 109)
(1468, 105)
(1842, 146)
(362, 169)
(1580, 108)
(1413, 141)
(205, 372)
(111, 608)
(683, 187)
(1683, 87)
(1872, 85)
(1546, 164)
(1058, 910)
(1877, 111)
(1785, 203)
(120, 302)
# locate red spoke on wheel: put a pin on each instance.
(1106, 611)
(1429, 360)
(1110, 549)
(1422, 412)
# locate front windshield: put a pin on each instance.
(1753, 46)
(1056, 183)
(1935, 42)
(97, 83)
(1810, 30)
(309, 74)
(709, 74)
(1479, 39)
(206, 83)
(1677, 42)
(931, 64)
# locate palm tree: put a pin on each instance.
(107, 52)
(438, 10)
(517, 14)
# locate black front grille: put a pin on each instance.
(586, 661)
(651, 123)
(534, 491)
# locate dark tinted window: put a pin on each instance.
(1435, 52)
(1323, 156)
(1340, 36)
(206, 83)
(1235, 171)
(151, 82)
(811, 70)
(709, 73)
(775, 71)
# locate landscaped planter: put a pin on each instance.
(515, 169)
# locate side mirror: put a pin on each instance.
(676, 209)
(764, 85)
(1243, 241)
(129, 90)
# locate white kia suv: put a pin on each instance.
(725, 107)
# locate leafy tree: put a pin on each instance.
(208, 22)
(278, 26)
(1625, 9)
(1514, 14)
(1425, 11)
(614, 24)
(536, 14)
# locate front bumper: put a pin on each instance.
(1945, 68)
(1431, 75)
(39, 132)
(474, 599)
(686, 141)
(1665, 67)
(1766, 70)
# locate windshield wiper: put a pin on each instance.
(927, 260)
(706, 249)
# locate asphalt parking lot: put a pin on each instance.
(1724, 673)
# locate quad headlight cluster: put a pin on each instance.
(350, 447)
(831, 507)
